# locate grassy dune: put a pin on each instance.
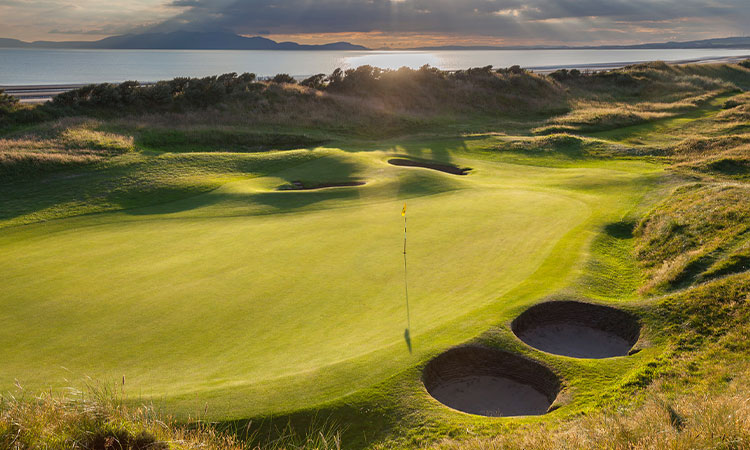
(169, 252)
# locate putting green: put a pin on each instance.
(255, 301)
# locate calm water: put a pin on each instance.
(22, 66)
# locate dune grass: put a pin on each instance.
(698, 233)
(707, 420)
(97, 419)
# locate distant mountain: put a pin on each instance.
(724, 43)
(731, 42)
(13, 43)
(181, 40)
(193, 40)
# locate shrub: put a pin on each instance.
(178, 92)
(315, 81)
(7, 102)
(515, 70)
(335, 77)
(283, 78)
(564, 74)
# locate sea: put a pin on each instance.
(68, 66)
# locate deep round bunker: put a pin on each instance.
(578, 329)
(488, 382)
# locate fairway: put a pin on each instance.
(251, 300)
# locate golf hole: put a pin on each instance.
(577, 329)
(487, 382)
(309, 186)
(447, 168)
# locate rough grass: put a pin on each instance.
(97, 419)
(589, 116)
(638, 94)
(693, 235)
(692, 421)
(721, 150)
(62, 144)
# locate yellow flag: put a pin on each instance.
(403, 211)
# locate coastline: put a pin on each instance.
(31, 94)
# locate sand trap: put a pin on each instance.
(479, 380)
(447, 168)
(577, 329)
(308, 186)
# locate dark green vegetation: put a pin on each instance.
(627, 188)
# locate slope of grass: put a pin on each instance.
(692, 235)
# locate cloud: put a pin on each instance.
(568, 20)
(93, 32)
(506, 21)
(49, 19)
(184, 3)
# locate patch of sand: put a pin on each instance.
(491, 396)
(575, 340)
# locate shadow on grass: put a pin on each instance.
(620, 230)
(220, 140)
(439, 151)
(365, 424)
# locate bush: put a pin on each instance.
(514, 70)
(8, 103)
(179, 92)
(335, 78)
(7, 100)
(315, 81)
(283, 78)
(562, 75)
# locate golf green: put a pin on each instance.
(250, 300)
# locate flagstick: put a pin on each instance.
(406, 286)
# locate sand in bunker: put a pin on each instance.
(575, 340)
(491, 396)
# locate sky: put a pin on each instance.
(386, 23)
